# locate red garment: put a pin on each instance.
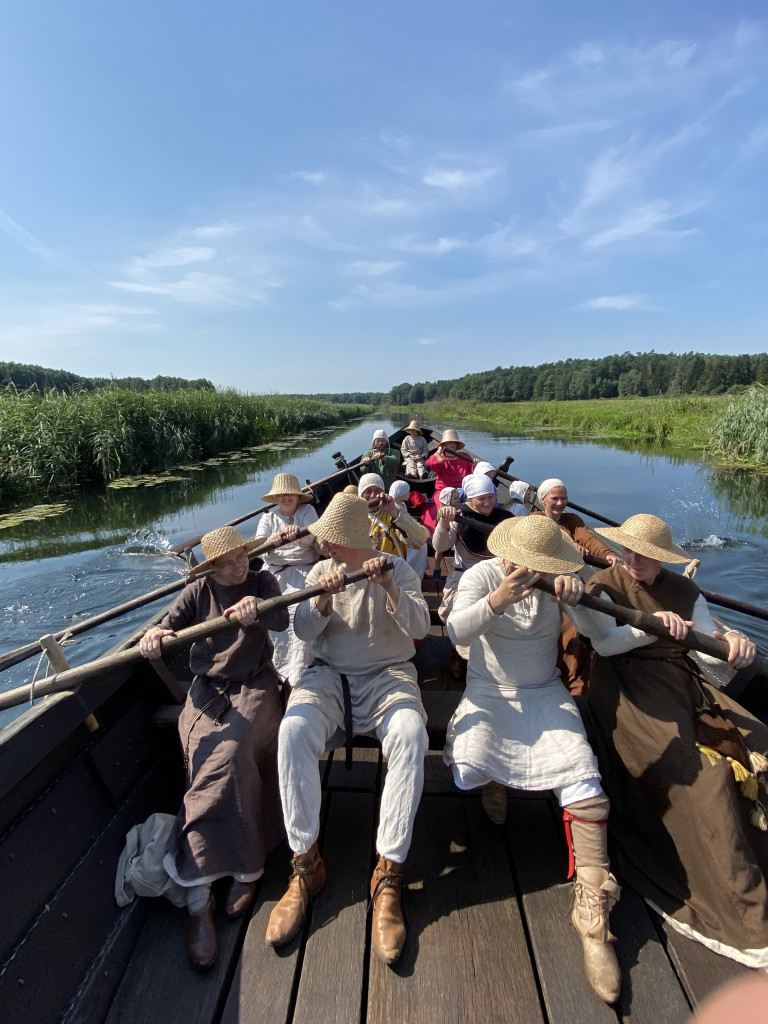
(448, 472)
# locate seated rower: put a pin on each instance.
(416, 557)
(290, 562)
(470, 547)
(682, 763)
(381, 459)
(230, 817)
(573, 654)
(516, 726)
(415, 451)
(392, 530)
(362, 640)
(446, 462)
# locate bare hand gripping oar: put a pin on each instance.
(73, 677)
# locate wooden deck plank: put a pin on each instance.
(541, 869)
(364, 773)
(262, 986)
(334, 958)
(466, 956)
(700, 970)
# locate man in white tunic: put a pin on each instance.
(518, 726)
(361, 638)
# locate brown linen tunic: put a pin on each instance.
(682, 829)
(231, 816)
(573, 655)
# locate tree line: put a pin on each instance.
(628, 374)
(23, 376)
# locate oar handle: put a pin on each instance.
(73, 677)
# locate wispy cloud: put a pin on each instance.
(560, 133)
(224, 229)
(372, 268)
(634, 302)
(78, 319)
(211, 290)
(427, 341)
(23, 238)
(312, 177)
(438, 247)
(180, 256)
(650, 219)
(454, 178)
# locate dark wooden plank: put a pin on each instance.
(262, 987)
(541, 869)
(438, 777)
(650, 992)
(43, 847)
(700, 970)
(335, 955)
(466, 957)
(366, 762)
(159, 984)
(118, 757)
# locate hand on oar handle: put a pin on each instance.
(246, 611)
(678, 626)
(151, 644)
(741, 650)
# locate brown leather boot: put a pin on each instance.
(387, 926)
(309, 874)
(595, 892)
(240, 897)
(202, 944)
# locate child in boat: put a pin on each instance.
(416, 557)
(382, 459)
(290, 562)
(230, 817)
(414, 450)
(449, 498)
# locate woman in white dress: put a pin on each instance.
(290, 562)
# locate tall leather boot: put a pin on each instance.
(387, 926)
(202, 943)
(595, 892)
(308, 878)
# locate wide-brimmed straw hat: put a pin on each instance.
(451, 435)
(412, 428)
(536, 542)
(647, 535)
(344, 522)
(286, 483)
(221, 542)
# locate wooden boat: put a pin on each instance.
(486, 906)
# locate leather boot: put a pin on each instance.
(595, 892)
(387, 926)
(494, 800)
(240, 897)
(202, 944)
(309, 874)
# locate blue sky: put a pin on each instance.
(331, 197)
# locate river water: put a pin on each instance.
(112, 546)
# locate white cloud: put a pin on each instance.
(636, 302)
(506, 243)
(78, 319)
(427, 341)
(312, 177)
(222, 230)
(562, 132)
(23, 238)
(643, 220)
(211, 290)
(440, 246)
(398, 141)
(180, 256)
(372, 268)
(452, 178)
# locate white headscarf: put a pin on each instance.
(369, 480)
(399, 490)
(482, 468)
(446, 495)
(380, 435)
(474, 485)
(548, 484)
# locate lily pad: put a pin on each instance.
(145, 480)
(32, 515)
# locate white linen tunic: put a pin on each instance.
(290, 564)
(516, 723)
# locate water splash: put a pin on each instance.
(147, 542)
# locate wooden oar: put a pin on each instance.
(693, 641)
(73, 677)
(179, 549)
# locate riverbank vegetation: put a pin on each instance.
(26, 375)
(56, 440)
(741, 433)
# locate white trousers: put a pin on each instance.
(304, 734)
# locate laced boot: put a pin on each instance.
(309, 874)
(494, 800)
(595, 892)
(202, 943)
(240, 897)
(387, 926)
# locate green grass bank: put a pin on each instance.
(732, 429)
(54, 441)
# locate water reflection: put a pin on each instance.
(745, 493)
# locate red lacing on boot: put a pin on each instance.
(567, 819)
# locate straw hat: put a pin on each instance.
(344, 522)
(412, 428)
(537, 543)
(285, 483)
(647, 535)
(351, 489)
(451, 435)
(221, 542)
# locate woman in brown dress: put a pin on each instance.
(688, 832)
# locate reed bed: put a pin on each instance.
(54, 441)
(741, 433)
(680, 420)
